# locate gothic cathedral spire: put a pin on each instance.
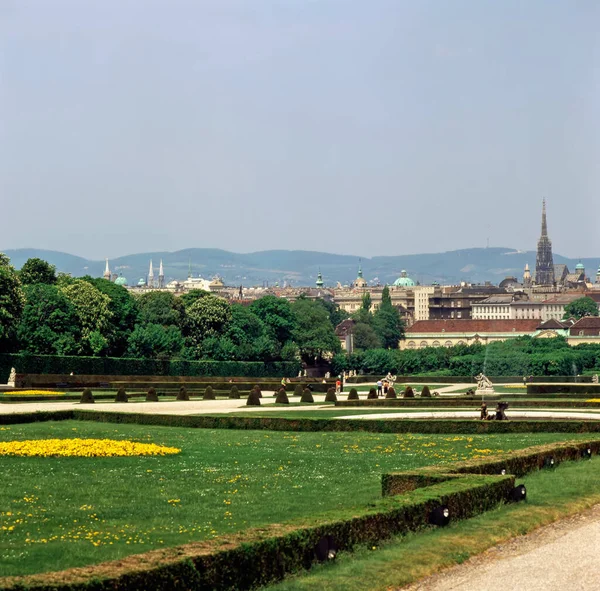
(544, 264)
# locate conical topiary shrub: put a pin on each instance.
(282, 397)
(151, 395)
(253, 398)
(425, 392)
(307, 396)
(391, 393)
(209, 394)
(298, 390)
(353, 394)
(234, 392)
(87, 397)
(330, 396)
(183, 394)
(257, 388)
(409, 392)
(121, 395)
(372, 394)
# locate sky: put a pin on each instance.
(384, 127)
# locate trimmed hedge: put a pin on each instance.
(409, 392)
(331, 395)
(253, 398)
(183, 394)
(234, 392)
(151, 396)
(209, 394)
(372, 395)
(353, 394)
(391, 393)
(121, 396)
(426, 392)
(87, 397)
(307, 396)
(464, 402)
(58, 364)
(282, 397)
(593, 390)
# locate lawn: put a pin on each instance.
(69, 511)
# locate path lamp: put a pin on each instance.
(440, 516)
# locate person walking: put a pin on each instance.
(338, 386)
(385, 387)
(379, 388)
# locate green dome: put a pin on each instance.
(579, 267)
(404, 280)
(121, 281)
(141, 282)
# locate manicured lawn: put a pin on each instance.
(61, 512)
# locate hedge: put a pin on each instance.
(428, 426)
(55, 364)
(261, 556)
(519, 463)
(591, 389)
(463, 402)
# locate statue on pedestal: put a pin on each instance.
(484, 385)
(12, 378)
(390, 378)
(594, 378)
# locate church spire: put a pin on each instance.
(161, 275)
(107, 271)
(151, 275)
(544, 224)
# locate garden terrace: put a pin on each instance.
(201, 512)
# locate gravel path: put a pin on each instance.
(562, 556)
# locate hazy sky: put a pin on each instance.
(352, 126)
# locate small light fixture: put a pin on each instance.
(503, 472)
(326, 549)
(586, 453)
(440, 516)
(549, 463)
(519, 493)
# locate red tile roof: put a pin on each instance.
(473, 326)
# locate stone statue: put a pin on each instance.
(300, 374)
(13, 377)
(390, 378)
(483, 383)
(327, 375)
(594, 378)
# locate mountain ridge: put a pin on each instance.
(300, 267)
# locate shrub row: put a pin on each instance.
(519, 463)
(441, 379)
(55, 364)
(261, 556)
(591, 389)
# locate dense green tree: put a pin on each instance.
(386, 298)
(155, 341)
(388, 326)
(12, 302)
(161, 307)
(92, 307)
(336, 314)
(192, 296)
(49, 324)
(366, 301)
(207, 317)
(581, 307)
(37, 271)
(365, 337)
(314, 334)
(125, 313)
(277, 316)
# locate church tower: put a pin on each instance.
(161, 276)
(544, 264)
(107, 272)
(527, 275)
(151, 275)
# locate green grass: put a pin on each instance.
(57, 513)
(571, 488)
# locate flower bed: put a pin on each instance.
(92, 448)
(34, 393)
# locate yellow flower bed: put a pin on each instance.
(35, 393)
(593, 400)
(89, 448)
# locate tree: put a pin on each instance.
(49, 324)
(161, 307)
(365, 337)
(386, 299)
(207, 317)
(314, 334)
(155, 340)
(388, 326)
(277, 316)
(125, 313)
(92, 308)
(37, 271)
(192, 296)
(336, 314)
(12, 302)
(581, 307)
(366, 301)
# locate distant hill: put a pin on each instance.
(300, 267)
